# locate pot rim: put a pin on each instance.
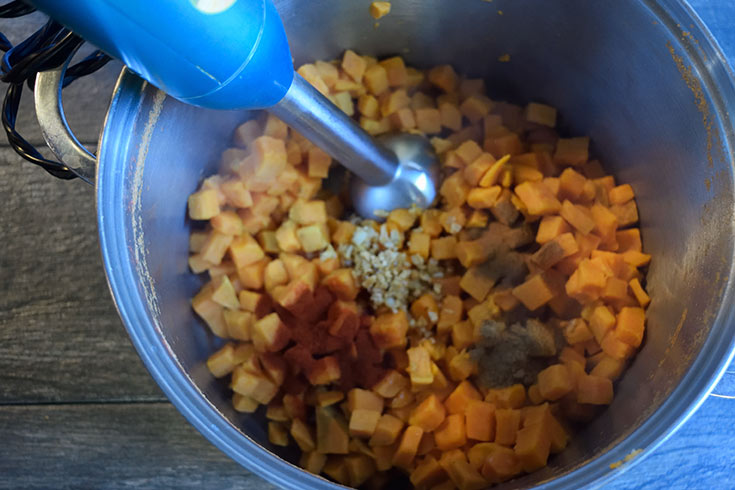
(122, 277)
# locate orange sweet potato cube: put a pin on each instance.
(551, 227)
(540, 114)
(507, 422)
(304, 212)
(513, 396)
(476, 107)
(477, 282)
(450, 313)
(270, 334)
(419, 365)
(555, 250)
(363, 422)
(267, 160)
(286, 236)
(537, 198)
(507, 143)
(457, 401)
(375, 79)
(578, 216)
(464, 476)
(357, 399)
(388, 330)
(500, 465)
(451, 434)
(444, 77)
(535, 292)
(419, 244)
(354, 65)
(480, 420)
(275, 274)
(254, 385)
(252, 276)
(425, 307)
(450, 116)
(639, 293)
(444, 248)
(601, 321)
(312, 75)
(594, 390)
(342, 284)
(204, 204)
(554, 382)
(429, 414)
(428, 120)
(427, 474)
(210, 311)
(324, 371)
(386, 431)
(392, 102)
(630, 325)
(533, 444)
(390, 384)
(408, 446)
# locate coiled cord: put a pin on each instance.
(47, 48)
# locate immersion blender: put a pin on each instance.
(233, 54)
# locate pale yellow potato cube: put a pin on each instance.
(204, 204)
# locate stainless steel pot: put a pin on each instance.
(643, 78)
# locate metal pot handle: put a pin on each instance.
(55, 129)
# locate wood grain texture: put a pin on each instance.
(60, 336)
(144, 445)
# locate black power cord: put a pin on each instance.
(47, 48)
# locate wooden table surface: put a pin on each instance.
(77, 407)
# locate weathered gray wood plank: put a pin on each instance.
(60, 336)
(111, 446)
(85, 101)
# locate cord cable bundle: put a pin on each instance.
(47, 48)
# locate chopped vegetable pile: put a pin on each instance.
(459, 346)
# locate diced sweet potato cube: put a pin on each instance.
(274, 366)
(540, 114)
(444, 77)
(451, 433)
(287, 238)
(204, 204)
(501, 465)
(427, 473)
(388, 330)
(601, 321)
(312, 461)
(513, 396)
(215, 247)
(450, 116)
(425, 307)
(318, 162)
(246, 133)
(392, 102)
(464, 476)
(444, 248)
(577, 331)
(450, 313)
(359, 399)
(245, 250)
(533, 445)
(594, 390)
(419, 244)
(403, 119)
(243, 403)
(636, 259)
(555, 250)
(275, 274)
(378, 9)
(503, 144)
(507, 422)
(267, 160)
(571, 184)
(342, 284)
(222, 362)
(312, 75)
(639, 293)
(462, 335)
(313, 238)
(627, 213)
(621, 194)
(462, 367)
(428, 120)
(324, 371)
(407, 448)
(209, 311)
(630, 325)
(457, 401)
(303, 436)
(252, 276)
(354, 65)
(578, 216)
(238, 323)
(375, 79)
(572, 151)
(480, 420)
(476, 107)
(477, 282)
(331, 432)
(554, 382)
(419, 367)
(483, 198)
(386, 431)
(368, 106)
(254, 385)
(277, 434)
(616, 348)
(360, 467)
(551, 227)
(363, 422)
(390, 384)
(537, 198)
(535, 292)
(223, 292)
(608, 367)
(628, 240)
(429, 414)
(270, 334)
(587, 282)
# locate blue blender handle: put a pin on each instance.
(220, 54)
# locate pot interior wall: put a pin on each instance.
(607, 66)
